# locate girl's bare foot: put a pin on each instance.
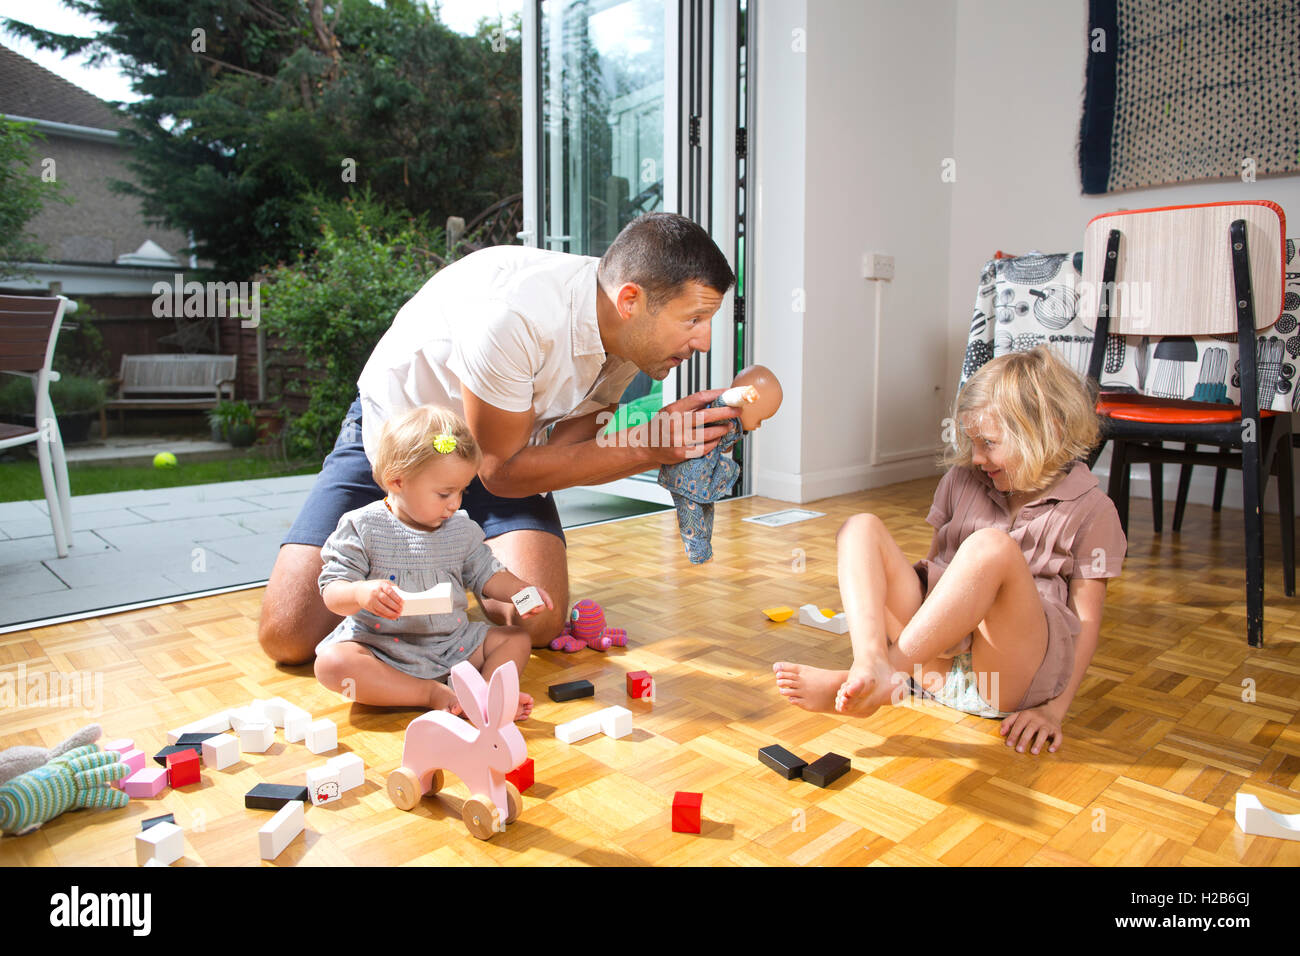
(442, 697)
(867, 688)
(525, 706)
(811, 688)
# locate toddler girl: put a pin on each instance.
(1002, 617)
(414, 539)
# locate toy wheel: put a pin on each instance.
(481, 816)
(514, 801)
(435, 783)
(404, 789)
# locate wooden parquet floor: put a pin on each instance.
(1176, 715)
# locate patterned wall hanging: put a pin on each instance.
(1178, 92)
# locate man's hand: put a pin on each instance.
(687, 428)
(1037, 725)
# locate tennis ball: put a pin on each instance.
(164, 459)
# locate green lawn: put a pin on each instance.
(21, 481)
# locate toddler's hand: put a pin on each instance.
(1037, 725)
(379, 597)
(546, 600)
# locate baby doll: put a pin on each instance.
(698, 482)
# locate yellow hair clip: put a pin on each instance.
(445, 444)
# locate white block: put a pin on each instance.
(1254, 817)
(296, 723)
(175, 735)
(579, 729)
(275, 708)
(220, 752)
(252, 714)
(526, 600)
(812, 615)
(322, 736)
(615, 721)
(323, 785)
(256, 738)
(436, 600)
(351, 770)
(217, 723)
(164, 842)
(280, 830)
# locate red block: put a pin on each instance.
(686, 812)
(183, 768)
(640, 685)
(522, 776)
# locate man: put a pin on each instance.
(521, 342)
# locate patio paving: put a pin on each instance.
(140, 547)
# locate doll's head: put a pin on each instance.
(426, 458)
(753, 414)
(1021, 419)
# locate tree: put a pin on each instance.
(22, 194)
(251, 104)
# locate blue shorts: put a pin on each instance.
(346, 483)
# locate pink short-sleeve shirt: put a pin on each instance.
(1071, 530)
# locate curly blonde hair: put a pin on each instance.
(407, 442)
(1045, 410)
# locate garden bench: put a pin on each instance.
(170, 382)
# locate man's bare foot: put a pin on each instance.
(867, 688)
(525, 706)
(811, 688)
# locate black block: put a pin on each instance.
(782, 761)
(189, 740)
(573, 690)
(824, 771)
(272, 796)
(160, 757)
(165, 818)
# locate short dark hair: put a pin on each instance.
(661, 252)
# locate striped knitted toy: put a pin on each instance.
(586, 628)
(79, 778)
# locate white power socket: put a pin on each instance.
(877, 265)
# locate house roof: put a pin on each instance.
(28, 89)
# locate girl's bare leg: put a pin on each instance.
(350, 669)
(881, 592)
(502, 644)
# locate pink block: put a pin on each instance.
(148, 782)
(133, 759)
(120, 746)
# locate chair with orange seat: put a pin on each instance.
(1211, 269)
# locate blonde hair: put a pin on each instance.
(407, 442)
(1045, 410)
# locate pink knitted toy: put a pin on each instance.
(586, 628)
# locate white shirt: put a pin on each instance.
(516, 325)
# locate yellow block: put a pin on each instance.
(778, 614)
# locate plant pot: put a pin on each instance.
(241, 436)
(269, 423)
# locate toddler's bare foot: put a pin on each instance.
(525, 706)
(442, 697)
(811, 688)
(866, 688)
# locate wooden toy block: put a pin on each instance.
(573, 690)
(824, 771)
(273, 796)
(579, 729)
(134, 759)
(686, 812)
(615, 722)
(779, 614)
(148, 782)
(812, 615)
(1255, 818)
(120, 746)
(640, 685)
(189, 740)
(275, 709)
(182, 768)
(164, 842)
(526, 600)
(220, 751)
(252, 714)
(278, 832)
(256, 738)
(160, 758)
(782, 761)
(323, 785)
(322, 736)
(436, 600)
(217, 723)
(296, 724)
(522, 776)
(175, 735)
(351, 770)
(165, 818)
